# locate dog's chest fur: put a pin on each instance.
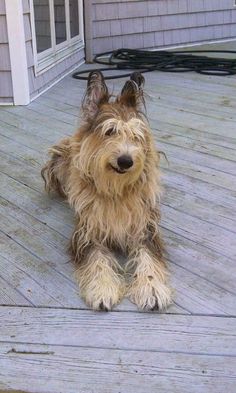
(116, 221)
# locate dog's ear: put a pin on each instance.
(96, 95)
(132, 92)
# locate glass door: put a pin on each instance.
(57, 27)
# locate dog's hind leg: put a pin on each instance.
(55, 172)
(100, 282)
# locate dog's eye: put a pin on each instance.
(109, 132)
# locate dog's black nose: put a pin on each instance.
(125, 162)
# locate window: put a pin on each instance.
(60, 20)
(57, 28)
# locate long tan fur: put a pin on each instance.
(114, 209)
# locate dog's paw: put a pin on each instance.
(102, 297)
(150, 294)
(101, 284)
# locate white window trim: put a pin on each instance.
(18, 55)
(49, 58)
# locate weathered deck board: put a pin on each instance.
(45, 326)
(189, 132)
(196, 292)
(55, 288)
(199, 207)
(218, 239)
(219, 164)
(30, 201)
(8, 293)
(199, 188)
(58, 368)
(200, 122)
(179, 350)
(131, 331)
(201, 260)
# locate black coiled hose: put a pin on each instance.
(174, 61)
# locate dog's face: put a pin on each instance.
(117, 140)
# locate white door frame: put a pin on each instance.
(18, 55)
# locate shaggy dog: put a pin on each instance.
(108, 172)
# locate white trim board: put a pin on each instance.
(193, 44)
(17, 48)
(6, 103)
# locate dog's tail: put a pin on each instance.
(55, 172)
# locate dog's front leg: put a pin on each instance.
(148, 286)
(98, 275)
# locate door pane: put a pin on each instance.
(60, 20)
(42, 25)
(74, 18)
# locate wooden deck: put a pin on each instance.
(50, 341)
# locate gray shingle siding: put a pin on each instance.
(6, 93)
(160, 23)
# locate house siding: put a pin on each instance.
(6, 91)
(37, 83)
(41, 82)
(160, 23)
